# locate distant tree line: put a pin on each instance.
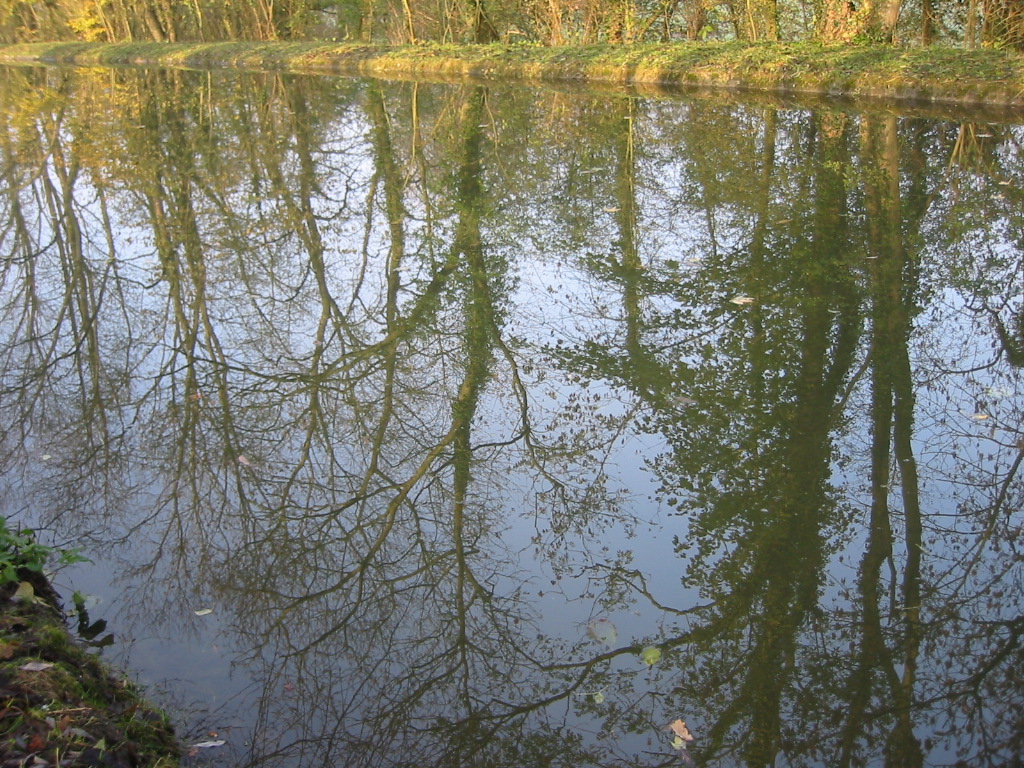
(971, 23)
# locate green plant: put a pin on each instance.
(19, 549)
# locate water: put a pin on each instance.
(399, 420)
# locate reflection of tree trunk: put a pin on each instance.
(82, 304)
(793, 534)
(904, 749)
(783, 556)
(649, 376)
(758, 254)
(479, 323)
(892, 417)
(631, 266)
(394, 207)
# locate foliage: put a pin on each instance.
(19, 549)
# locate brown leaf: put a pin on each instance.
(678, 727)
(37, 743)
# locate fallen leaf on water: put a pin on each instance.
(245, 461)
(650, 655)
(980, 416)
(742, 300)
(598, 697)
(35, 666)
(603, 631)
(678, 727)
(209, 744)
(203, 612)
(998, 391)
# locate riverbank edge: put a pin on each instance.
(938, 76)
(60, 704)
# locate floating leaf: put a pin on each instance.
(980, 416)
(678, 727)
(603, 631)
(209, 744)
(742, 300)
(998, 392)
(650, 655)
(36, 666)
(599, 697)
(203, 612)
(244, 461)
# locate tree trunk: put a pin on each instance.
(484, 30)
(927, 22)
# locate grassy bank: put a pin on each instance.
(59, 704)
(923, 75)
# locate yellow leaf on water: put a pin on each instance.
(650, 655)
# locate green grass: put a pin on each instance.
(937, 75)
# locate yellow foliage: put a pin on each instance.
(86, 20)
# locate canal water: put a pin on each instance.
(424, 424)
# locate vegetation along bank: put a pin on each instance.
(989, 77)
(963, 52)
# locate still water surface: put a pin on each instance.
(452, 425)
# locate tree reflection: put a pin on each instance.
(366, 367)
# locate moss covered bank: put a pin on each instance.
(59, 704)
(989, 78)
